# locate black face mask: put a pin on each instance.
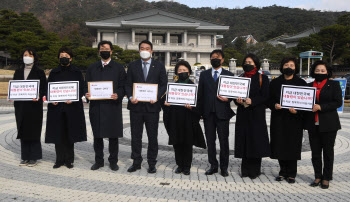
(288, 71)
(248, 67)
(64, 61)
(320, 77)
(105, 54)
(183, 76)
(215, 63)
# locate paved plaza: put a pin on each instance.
(43, 183)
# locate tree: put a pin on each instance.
(344, 20)
(334, 40)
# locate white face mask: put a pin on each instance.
(145, 54)
(28, 60)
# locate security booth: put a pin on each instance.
(310, 56)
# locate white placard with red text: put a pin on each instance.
(182, 94)
(63, 91)
(298, 97)
(23, 90)
(233, 87)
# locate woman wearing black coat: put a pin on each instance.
(66, 120)
(251, 137)
(182, 125)
(286, 129)
(29, 114)
(323, 123)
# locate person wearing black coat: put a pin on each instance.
(182, 124)
(145, 70)
(65, 123)
(251, 137)
(286, 128)
(29, 114)
(216, 112)
(106, 115)
(323, 122)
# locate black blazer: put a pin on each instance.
(207, 96)
(156, 75)
(330, 100)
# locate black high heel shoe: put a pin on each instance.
(315, 184)
(324, 186)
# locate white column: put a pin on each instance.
(185, 39)
(214, 41)
(198, 39)
(98, 36)
(133, 36)
(167, 37)
(150, 36)
(198, 58)
(167, 59)
(184, 55)
(115, 37)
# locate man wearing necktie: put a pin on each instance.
(106, 115)
(146, 70)
(216, 112)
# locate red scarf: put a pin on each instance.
(250, 73)
(319, 88)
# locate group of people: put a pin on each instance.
(66, 120)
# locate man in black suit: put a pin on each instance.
(146, 70)
(106, 115)
(216, 111)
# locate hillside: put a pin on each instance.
(66, 16)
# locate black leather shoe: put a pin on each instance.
(114, 166)
(186, 172)
(211, 171)
(244, 175)
(254, 176)
(152, 169)
(279, 178)
(57, 165)
(290, 180)
(224, 173)
(134, 168)
(69, 165)
(178, 170)
(324, 186)
(314, 184)
(96, 166)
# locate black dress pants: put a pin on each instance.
(288, 168)
(31, 150)
(151, 120)
(183, 155)
(212, 125)
(113, 150)
(251, 167)
(322, 142)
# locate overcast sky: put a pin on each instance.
(323, 5)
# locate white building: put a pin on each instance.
(173, 36)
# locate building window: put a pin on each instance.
(159, 56)
(174, 58)
(175, 39)
(158, 38)
(140, 37)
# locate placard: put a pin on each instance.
(233, 87)
(145, 92)
(63, 91)
(298, 97)
(23, 90)
(182, 94)
(100, 90)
